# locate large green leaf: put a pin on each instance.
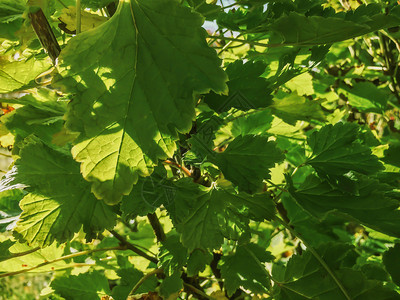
(84, 286)
(336, 151)
(371, 206)
(59, 202)
(204, 216)
(135, 77)
(246, 268)
(247, 160)
(304, 277)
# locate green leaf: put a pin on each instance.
(129, 278)
(204, 216)
(32, 258)
(391, 260)
(315, 231)
(172, 255)
(304, 277)
(247, 89)
(237, 19)
(126, 124)
(171, 285)
(5, 249)
(302, 84)
(41, 115)
(246, 161)
(337, 151)
(197, 261)
(17, 75)
(366, 97)
(84, 286)
(245, 268)
(11, 10)
(148, 194)
(51, 213)
(372, 206)
(293, 107)
(392, 155)
(302, 30)
(255, 123)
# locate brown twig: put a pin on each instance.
(45, 34)
(175, 164)
(157, 228)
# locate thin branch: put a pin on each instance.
(143, 279)
(276, 186)
(157, 227)
(45, 34)
(132, 247)
(197, 291)
(316, 255)
(175, 164)
(69, 256)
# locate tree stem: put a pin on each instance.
(157, 227)
(132, 247)
(143, 279)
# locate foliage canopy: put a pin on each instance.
(150, 158)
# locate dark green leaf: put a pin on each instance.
(197, 261)
(146, 44)
(245, 268)
(372, 206)
(172, 255)
(56, 213)
(391, 260)
(247, 89)
(204, 216)
(336, 151)
(247, 160)
(305, 278)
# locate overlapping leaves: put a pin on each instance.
(305, 278)
(337, 150)
(134, 78)
(50, 213)
(204, 216)
(372, 205)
